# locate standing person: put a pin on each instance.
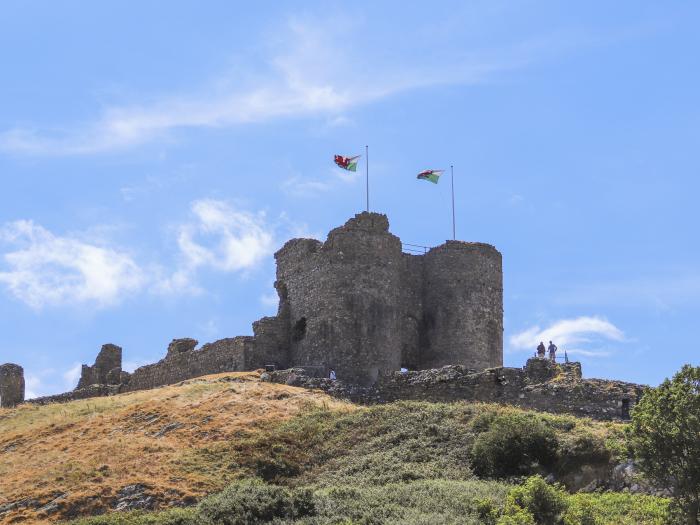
(331, 375)
(552, 352)
(540, 350)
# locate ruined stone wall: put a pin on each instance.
(344, 299)
(106, 370)
(354, 303)
(462, 306)
(225, 355)
(411, 300)
(539, 386)
(79, 393)
(270, 343)
(11, 385)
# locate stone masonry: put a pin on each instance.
(107, 369)
(356, 303)
(360, 306)
(540, 385)
(11, 385)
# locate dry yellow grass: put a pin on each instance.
(89, 449)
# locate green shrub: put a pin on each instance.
(513, 444)
(167, 517)
(546, 503)
(249, 502)
(615, 508)
(517, 517)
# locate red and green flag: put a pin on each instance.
(430, 175)
(347, 163)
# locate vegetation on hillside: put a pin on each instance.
(85, 451)
(438, 502)
(276, 454)
(665, 436)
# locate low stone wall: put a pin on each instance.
(78, 393)
(225, 355)
(540, 385)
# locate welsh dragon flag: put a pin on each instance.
(430, 175)
(347, 163)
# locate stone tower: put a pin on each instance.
(356, 303)
(11, 385)
(462, 306)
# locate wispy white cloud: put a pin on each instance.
(576, 336)
(43, 269)
(72, 375)
(305, 76)
(218, 237)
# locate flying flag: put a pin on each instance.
(347, 163)
(430, 175)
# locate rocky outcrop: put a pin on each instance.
(540, 385)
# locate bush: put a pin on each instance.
(513, 444)
(249, 502)
(613, 508)
(546, 503)
(517, 517)
(167, 517)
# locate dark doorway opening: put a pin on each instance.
(299, 330)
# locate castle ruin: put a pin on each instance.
(11, 385)
(358, 304)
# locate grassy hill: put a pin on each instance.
(268, 452)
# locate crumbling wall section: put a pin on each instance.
(225, 355)
(106, 370)
(270, 344)
(563, 392)
(11, 385)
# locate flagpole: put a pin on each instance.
(452, 174)
(367, 175)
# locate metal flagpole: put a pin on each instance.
(452, 174)
(367, 174)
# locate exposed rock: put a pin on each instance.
(134, 497)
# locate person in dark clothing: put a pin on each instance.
(540, 350)
(552, 351)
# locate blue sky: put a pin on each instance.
(153, 156)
